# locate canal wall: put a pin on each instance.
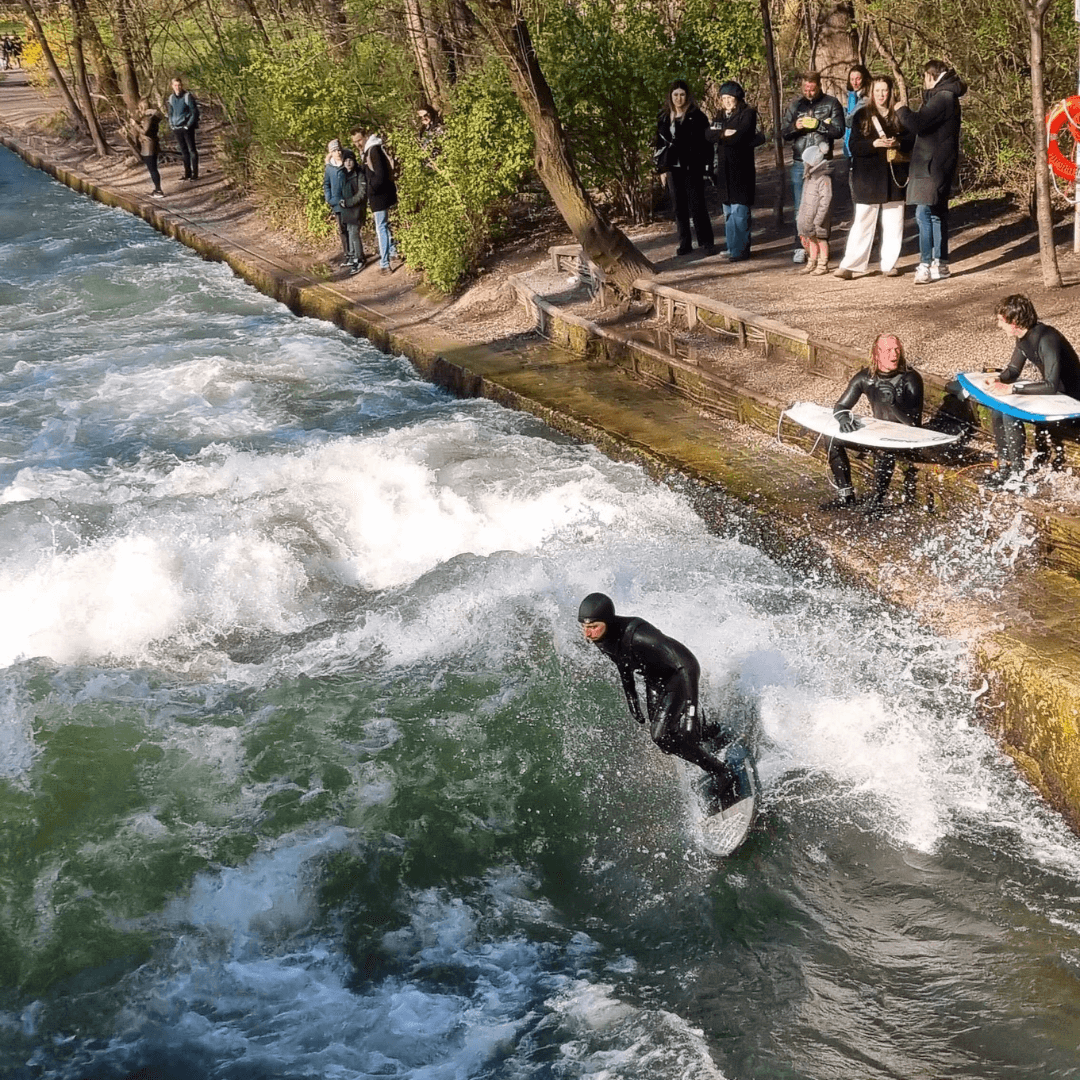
(689, 427)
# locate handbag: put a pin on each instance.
(759, 139)
(662, 157)
(893, 155)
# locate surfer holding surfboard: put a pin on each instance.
(895, 393)
(1049, 351)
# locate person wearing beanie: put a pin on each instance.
(815, 209)
(734, 132)
(670, 672)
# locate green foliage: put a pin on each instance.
(610, 65)
(449, 194)
(285, 106)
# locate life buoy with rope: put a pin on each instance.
(1064, 112)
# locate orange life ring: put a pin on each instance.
(1064, 112)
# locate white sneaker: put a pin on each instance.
(922, 274)
(939, 270)
(799, 256)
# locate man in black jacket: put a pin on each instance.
(670, 672)
(381, 192)
(1049, 351)
(895, 393)
(815, 119)
(936, 127)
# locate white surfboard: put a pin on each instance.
(1033, 407)
(871, 433)
(727, 811)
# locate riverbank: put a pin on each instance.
(972, 571)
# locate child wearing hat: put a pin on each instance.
(815, 210)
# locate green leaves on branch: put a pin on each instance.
(450, 193)
(610, 64)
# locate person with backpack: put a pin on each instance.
(183, 112)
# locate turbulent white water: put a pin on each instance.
(306, 771)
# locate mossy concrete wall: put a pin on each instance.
(636, 404)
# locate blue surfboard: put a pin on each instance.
(1036, 408)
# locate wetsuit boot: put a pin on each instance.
(874, 506)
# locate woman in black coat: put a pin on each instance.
(878, 180)
(682, 157)
(734, 130)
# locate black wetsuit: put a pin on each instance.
(897, 397)
(670, 672)
(1056, 359)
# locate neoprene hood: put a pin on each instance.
(596, 607)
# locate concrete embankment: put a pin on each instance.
(982, 568)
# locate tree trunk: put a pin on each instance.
(1036, 17)
(129, 79)
(427, 51)
(70, 105)
(108, 82)
(777, 115)
(888, 56)
(606, 245)
(82, 82)
(836, 45)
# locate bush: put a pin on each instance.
(449, 196)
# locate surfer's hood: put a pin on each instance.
(596, 607)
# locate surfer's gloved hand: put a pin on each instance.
(846, 421)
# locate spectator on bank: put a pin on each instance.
(895, 392)
(936, 127)
(815, 209)
(144, 134)
(734, 131)
(1049, 351)
(858, 95)
(5, 52)
(815, 119)
(332, 190)
(431, 129)
(381, 192)
(880, 151)
(353, 208)
(183, 112)
(682, 155)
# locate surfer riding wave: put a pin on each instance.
(670, 673)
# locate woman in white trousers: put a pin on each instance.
(879, 175)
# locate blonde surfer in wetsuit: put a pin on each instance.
(670, 672)
(895, 393)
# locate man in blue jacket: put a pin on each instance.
(183, 112)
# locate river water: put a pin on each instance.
(306, 772)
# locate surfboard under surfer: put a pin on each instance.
(670, 672)
(895, 392)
